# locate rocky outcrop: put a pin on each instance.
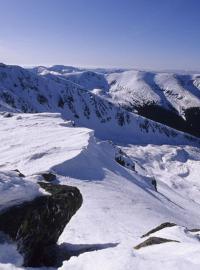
(154, 241)
(194, 230)
(158, 228)
(19, 173)
(124, 160)
(48, 176)
(37, 225)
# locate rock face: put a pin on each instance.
(37, 225)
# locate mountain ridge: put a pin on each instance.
(165, 97)
(25, 91)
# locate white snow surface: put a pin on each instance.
(34, 142)
(119, 205)
(15, 190)
(169, 90)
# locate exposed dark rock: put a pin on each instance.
(19, 173)
(124, 160)
(48, 176)
(120, 161)
(61, 103)
(154, 241)
(120, 118)
(37, 225)
(158, 228)
(7, 115)
(42, 99)
(193, 230)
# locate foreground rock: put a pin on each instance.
(154, 241)
(37, 225)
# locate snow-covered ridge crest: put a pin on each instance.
(36, 142)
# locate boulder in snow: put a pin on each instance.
(36, 225)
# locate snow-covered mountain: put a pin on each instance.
(173, 99)
(169, 98)
(138, 178)
(168, 90)
(23, 91)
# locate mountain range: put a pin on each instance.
(128, 140)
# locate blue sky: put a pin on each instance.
(151, 34)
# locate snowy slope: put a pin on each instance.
(120, 205)
(88, 79)
(176, 167)
(180, 255)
